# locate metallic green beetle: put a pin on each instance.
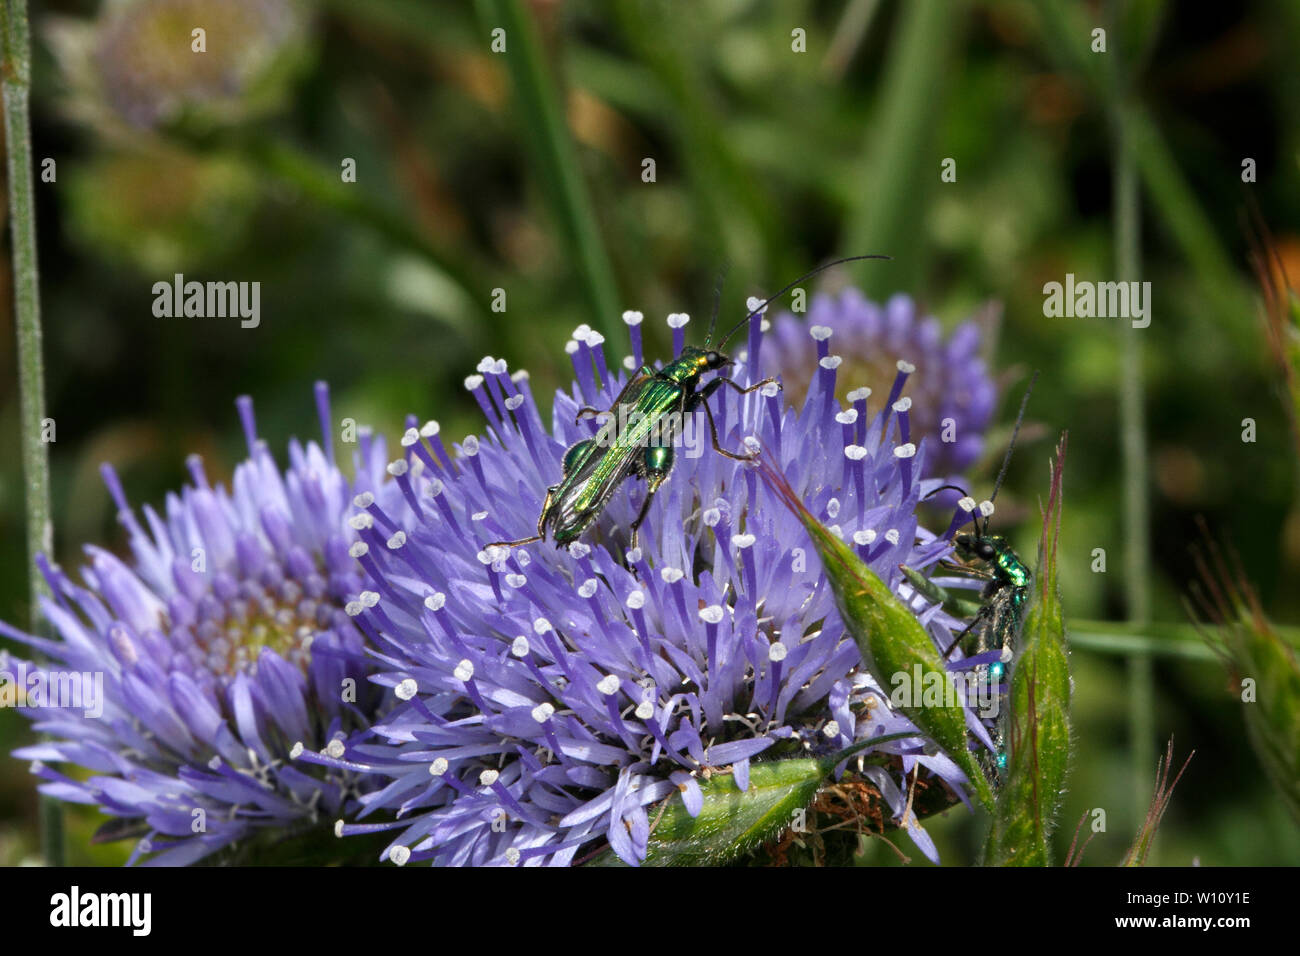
(654, 402)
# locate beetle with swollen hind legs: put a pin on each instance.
(654, 402)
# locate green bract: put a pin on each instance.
(1038, 726)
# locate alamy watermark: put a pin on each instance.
(208, 300)
(934, 688)
(1085, 299)
(21, 686)
(638, 429)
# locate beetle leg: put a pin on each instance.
(586, 411)
(984, 614)
(656, 466)
(541, 524)
(752, 388)
(713, 430)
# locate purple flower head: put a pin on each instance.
(212, 655)
(548, 696)
(951, 381)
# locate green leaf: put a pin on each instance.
(890, 638)
(1038, 722)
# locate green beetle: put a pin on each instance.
(653, 403)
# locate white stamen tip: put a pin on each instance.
(831, 362)
(752, 303)
(296, 750)
(833, 508)
(368, 598)
(892, 536)
(473, 382)
(541, 626)
(361, 522)
(519, 646)
(859, 394)
(438, 767)
(820, 333)
(579, 550)
(847, 417)
(359, 549)
(396, 541)
(636, 600)
(645, 710)
(516, 581)
(488, 777)
(744, 541)
(486, 364)
(542, 712)
(434, 488)
(712, 614)
(752, 444)
(677, 319)
(633, 317)
(966, 504)
(594, 339)
(906, 367)
(608, 685)
(864, 537)
(571, 346)
(770, 390)
(514, 401)
(353, 608)
(854, 452)
(629, 363)
(364, 500)
(400, 855)
(712, 516)
(406, 689)
(398, 468)
(470, 446)
(776, 652)
(335, 749)
(905, 451)
(435, 601)
(986, 508)
(588, 588)
(430, 428)
(902, 405)
(464, 670)
(671, 575)
(410, 437)
(832, 729)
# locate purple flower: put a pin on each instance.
(550, 696)
(953, 396)
(212, 655)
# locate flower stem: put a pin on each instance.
(16, 81)
(1137, 551)
(542, 113)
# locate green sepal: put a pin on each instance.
(891, 640)
(1038, 723)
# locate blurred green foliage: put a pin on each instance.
(474, 175)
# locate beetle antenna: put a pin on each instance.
(717, 302)
(1011, 445)
(964, 492)
(807, 275)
